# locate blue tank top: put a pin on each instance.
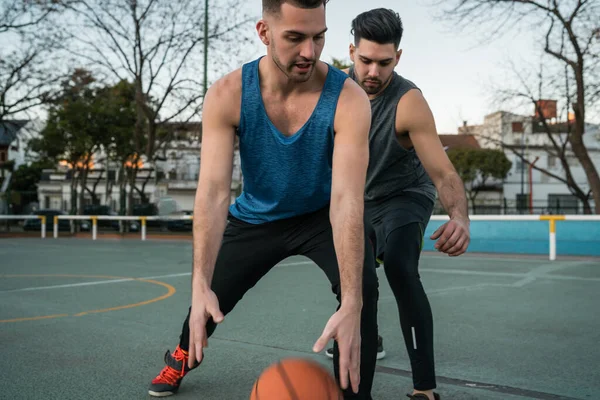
(284, 176)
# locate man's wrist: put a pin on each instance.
(200, 283)
(461, 218)
(351, 303)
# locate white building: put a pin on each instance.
(14, 139)
(526, 188)
(488, 194)
(169, 185)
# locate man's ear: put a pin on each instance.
(351, 51)
(262, 28)
(398, 54)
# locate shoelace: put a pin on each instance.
(180, 356)
(170, 376)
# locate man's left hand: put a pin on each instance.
(453, 237)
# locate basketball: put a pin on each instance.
(295, 379)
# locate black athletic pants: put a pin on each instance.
(401, 265)
(249, 251)
(396, 226)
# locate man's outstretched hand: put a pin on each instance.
(344, 328)
(205, 305)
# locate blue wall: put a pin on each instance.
(528, 237)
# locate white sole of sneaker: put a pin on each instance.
(160, 394)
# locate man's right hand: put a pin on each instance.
(205, 305)
(344, 327)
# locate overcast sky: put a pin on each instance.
(453, 70)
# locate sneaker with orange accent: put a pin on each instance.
(168, 381)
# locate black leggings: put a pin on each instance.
(401, 264)
(249, 251)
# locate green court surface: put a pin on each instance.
(82, 319)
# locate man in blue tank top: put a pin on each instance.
(407, 164)
(303, 135)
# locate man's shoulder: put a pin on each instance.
(223, 97)
(229, 85)
(353, 93)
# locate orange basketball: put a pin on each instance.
(295, 379)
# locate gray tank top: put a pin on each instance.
(392, 169)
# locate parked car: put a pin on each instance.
(148, 210)
(35, 224)
(97, 210)
(185, 225)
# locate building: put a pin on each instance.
(169, 183)
(522, 136)
(14, 139)
(488, 199)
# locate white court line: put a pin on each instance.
(70, 285)
(509, 274)
(526, 277)
(93, 283)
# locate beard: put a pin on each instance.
(373, 87)
(293, 71)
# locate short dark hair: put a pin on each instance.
(274, 6)
(380, 25)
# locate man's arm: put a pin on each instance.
(415, 117)
(350, 162)
(210, 207)
(214, 183)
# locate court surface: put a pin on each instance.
(82, 319)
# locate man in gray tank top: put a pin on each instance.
(407, 164)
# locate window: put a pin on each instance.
(522, 202)
(573, 161)
(519, 165)
(563, 204)
(551, 161)
(517, 127)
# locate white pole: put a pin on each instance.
(143, 228)
(552, 239)
(94, 228)
(552, 246)
(55, 226)
(43, 227)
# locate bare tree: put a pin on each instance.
(571, 38)
(557, 131)
(157, 45)
(19, 14)
(28, 62)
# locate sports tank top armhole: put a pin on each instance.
(334, 84)
(249, 99)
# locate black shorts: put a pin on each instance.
(384, 216)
